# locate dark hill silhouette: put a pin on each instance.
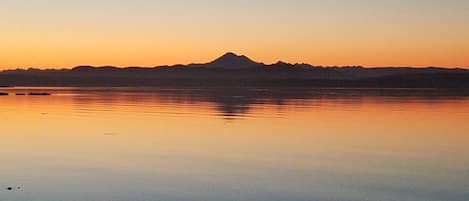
(233, 70)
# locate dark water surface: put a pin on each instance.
(234, 144)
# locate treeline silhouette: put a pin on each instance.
(234, 70)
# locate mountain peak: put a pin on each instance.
(230, 54)
(231, 60)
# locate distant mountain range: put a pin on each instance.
(235, 70)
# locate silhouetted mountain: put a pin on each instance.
(233, 70)
(232, 61)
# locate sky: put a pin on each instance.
(67, 33)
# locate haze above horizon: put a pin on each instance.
(66, 33)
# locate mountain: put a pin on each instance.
(240, 71)
(232, 61)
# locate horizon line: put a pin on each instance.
(227, 53)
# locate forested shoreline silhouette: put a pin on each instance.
(234, 70)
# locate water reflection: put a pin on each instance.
(233, 103)
(151, 144)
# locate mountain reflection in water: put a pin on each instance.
(235, 102)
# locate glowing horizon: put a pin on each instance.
(371, 33)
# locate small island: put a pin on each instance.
(39, 94)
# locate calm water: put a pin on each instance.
(123, 144)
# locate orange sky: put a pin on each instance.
(68, 33)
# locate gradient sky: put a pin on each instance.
(66, 33)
